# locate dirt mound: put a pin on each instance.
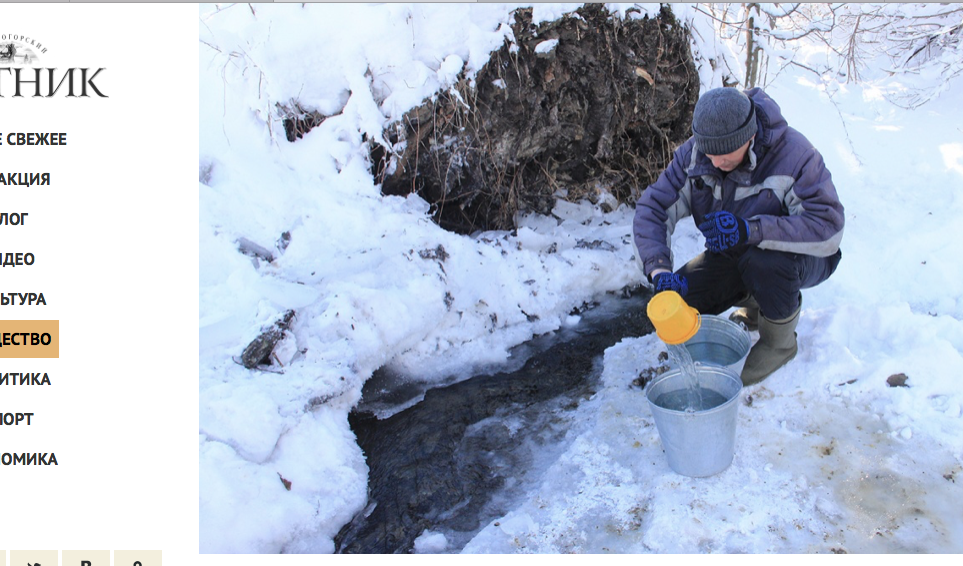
(575, 108)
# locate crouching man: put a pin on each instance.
(763, 198)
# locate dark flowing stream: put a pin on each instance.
(466, 453)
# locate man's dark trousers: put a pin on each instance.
(719, 280)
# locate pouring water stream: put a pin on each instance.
(692, 400)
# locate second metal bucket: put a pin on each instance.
(699, 443)
(720, 342)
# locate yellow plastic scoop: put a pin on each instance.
(674, 320)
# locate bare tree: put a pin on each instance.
(912, 50)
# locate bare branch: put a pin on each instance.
(776, 11)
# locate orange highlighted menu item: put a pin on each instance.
(29, 338)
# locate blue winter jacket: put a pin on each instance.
(783, 189)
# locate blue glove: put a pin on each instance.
(724, 230)
(666, 281)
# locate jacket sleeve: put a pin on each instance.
(815, 222)
(661, 205)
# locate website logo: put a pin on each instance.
(21, 77)
(19, 50)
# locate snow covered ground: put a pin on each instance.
(828, 457)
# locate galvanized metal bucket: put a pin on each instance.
(720, 342)
(701, 443)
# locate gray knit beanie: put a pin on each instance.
(723, 120)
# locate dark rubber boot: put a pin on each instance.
(748, 315)
(776, 346)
